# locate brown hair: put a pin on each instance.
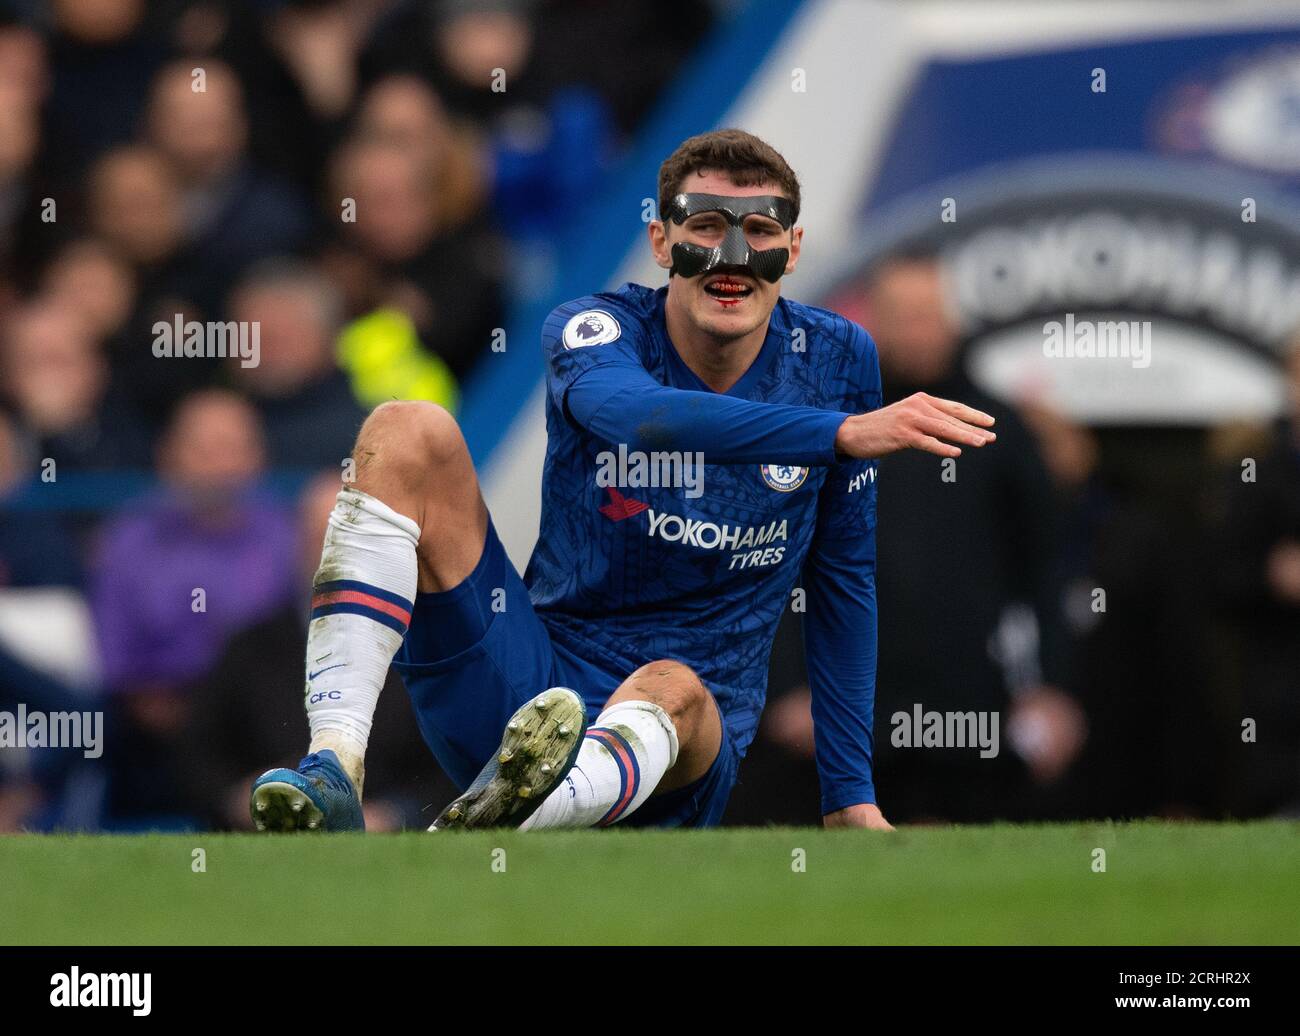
(746, 160)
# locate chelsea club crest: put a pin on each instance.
(783, 478)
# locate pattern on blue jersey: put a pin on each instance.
(623, 576)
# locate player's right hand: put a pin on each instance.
(921, 422)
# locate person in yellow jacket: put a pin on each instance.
(384, 359)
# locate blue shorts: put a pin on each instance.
(475, 653)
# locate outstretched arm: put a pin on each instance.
(621, 402)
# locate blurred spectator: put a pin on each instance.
(35, 549)
(970, 559)
(288, 133)
(319, 41)
(134, 202)
(24, 77)
(543, 46)
(134, 206)
(50, 788)
(403, 111)
(1123, 557)
(307, 408)
(23, 82)
(629, 79)
(232, 213)
(57, 381)
(46, 660)
(88, 275)
(45, 630)
(19, 138)
(176, 576)
(1258, 577)
(98, 22)
(548, 125)
(103, 54)
(248, 714)
(439, 268)
(464, 47)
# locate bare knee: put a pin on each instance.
(673, 686)
(407, 441)
(677, 690)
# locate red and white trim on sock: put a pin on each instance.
(361, 606)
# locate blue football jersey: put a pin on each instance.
(628, 569)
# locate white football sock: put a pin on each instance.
(361, 606)
(622, 760)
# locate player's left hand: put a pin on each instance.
(865, 815)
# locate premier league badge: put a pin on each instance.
(591, 327)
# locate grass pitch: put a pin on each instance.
(1163, 883)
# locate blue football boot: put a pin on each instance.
(318, 796)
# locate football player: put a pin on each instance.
(621, 678)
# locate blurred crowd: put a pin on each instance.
(1125, 600)
(373, 185)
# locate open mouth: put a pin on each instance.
(728, 289)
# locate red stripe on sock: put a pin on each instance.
(629, 793)
(357, 597)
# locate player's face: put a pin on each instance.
(726, 302)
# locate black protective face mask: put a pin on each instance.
(691, 260)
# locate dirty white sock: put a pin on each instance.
(361, 606)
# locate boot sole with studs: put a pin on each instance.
(539, 747)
